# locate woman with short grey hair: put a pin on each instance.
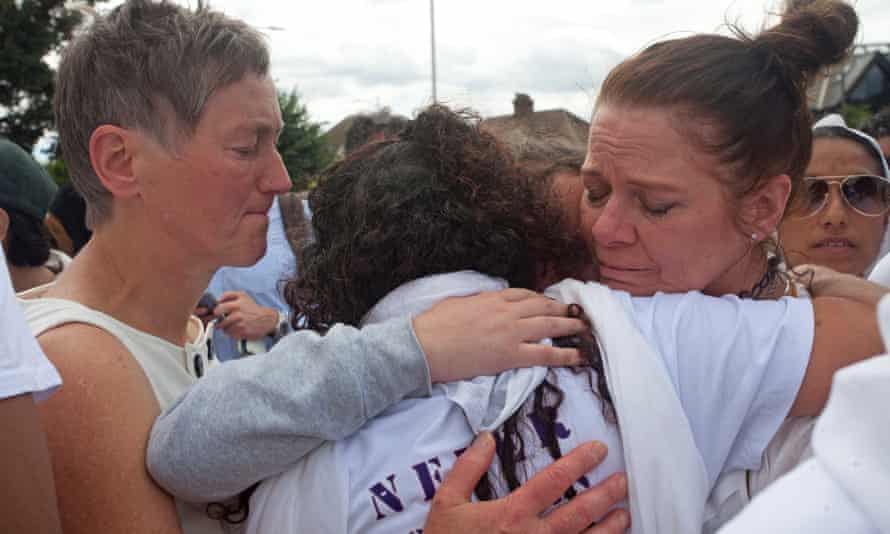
(169, 119)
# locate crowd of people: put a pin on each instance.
(451, 333)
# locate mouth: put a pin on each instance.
(623, 268)
(624, 276)
(260, 210)
(834, 243)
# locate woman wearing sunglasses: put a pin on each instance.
(838, 217)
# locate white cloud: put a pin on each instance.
(346, 56)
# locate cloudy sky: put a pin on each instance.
(347, 56)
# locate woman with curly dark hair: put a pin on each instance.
(442, 211)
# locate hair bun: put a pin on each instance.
(812, 35)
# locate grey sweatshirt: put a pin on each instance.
(252, 418)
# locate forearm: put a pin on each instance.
(251, 419)
(27, 488)
(850, 287)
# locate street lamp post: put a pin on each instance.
(433, 45)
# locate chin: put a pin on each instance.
(633, 289)
(245, 257)
(852, 266)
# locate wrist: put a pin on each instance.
(282, 325)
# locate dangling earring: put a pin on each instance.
(754, 237)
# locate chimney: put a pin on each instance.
(523, 105)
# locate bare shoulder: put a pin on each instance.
(95, 366)
(97, 428)
(100, 376)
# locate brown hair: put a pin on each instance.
(144, 66)
(743, 98)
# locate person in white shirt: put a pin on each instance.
(846, 482)
(26, 378)
(408, 222)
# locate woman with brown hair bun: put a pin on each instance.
(696, 144)
(695, 147)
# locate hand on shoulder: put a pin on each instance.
(485, 334)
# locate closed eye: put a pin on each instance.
(657, 209)
(245, 151)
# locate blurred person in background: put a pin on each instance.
(66, 220)
(25, 195)
(838, 217)
(879, 129)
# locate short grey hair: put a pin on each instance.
(143, 64)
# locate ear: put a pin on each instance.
(4, 225)
(111, 153)
(762, 209)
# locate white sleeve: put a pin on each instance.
(737, 366)
(880, 274)
(23, 366)
(805, 501)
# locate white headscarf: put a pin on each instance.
(836, 121)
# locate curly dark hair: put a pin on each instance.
(444, 196)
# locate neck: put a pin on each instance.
(24, 278)
(146, 287)
(743, 275)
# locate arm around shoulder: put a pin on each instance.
(255, 417)
(846, 332)
(97, 427)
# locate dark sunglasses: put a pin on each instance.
(866, 194)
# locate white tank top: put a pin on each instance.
(170, 368)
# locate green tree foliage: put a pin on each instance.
(856, 115)
(302, 145)
(58, 171)
(30, 30)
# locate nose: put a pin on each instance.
(276, 179)
(836, 211)
(612, 227)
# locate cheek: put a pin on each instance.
(874, 229)
(793, 233)
(691, 256)
(673, 252)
